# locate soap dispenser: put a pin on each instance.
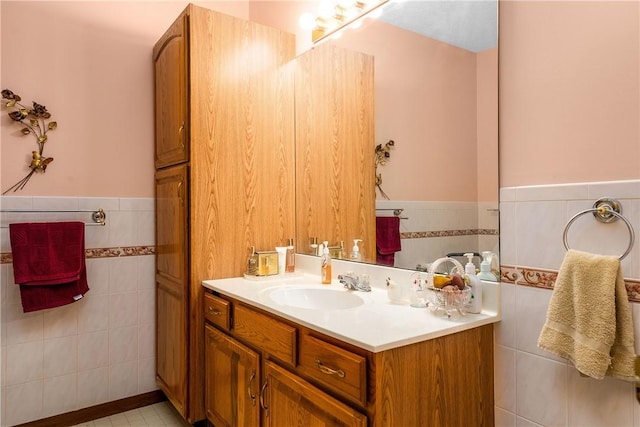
(325, 264)
(355, 254)
(475, 304)
(485, 268)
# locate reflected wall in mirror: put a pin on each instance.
(438, 102)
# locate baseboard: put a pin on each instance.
(99, 411)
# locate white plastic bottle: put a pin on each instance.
(475, 304)
(355, 254)
(485, 268)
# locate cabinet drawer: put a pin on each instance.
(216, 311)
(340, 370)
(265, 332)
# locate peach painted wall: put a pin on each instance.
(285, 16)
(426, 102)
(90, 63)
(569, 92)
(487, 90)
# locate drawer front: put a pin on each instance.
(276, 338)
(217, 311)
(342, 371)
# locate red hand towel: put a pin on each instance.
(387, 239)
(48, 263)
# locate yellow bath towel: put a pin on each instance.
(589, 317)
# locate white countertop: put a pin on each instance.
(375, 325)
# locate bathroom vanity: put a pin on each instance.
(290, 351)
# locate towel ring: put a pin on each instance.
(604, 210)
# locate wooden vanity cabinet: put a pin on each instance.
(292, 401)
(442, 382)
(232, 383)
(224, 157)
(251, 377)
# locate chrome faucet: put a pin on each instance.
(352, 281)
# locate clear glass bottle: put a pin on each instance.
(290, 263)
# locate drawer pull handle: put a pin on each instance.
(181, 133)
(327, 370)
(252, 395)
(179, 192)
(262, 404)
(215, 312)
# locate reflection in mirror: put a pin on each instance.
(438, 102)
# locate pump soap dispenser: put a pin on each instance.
(355, 254)
(475, 305)
(325, 264)
(485, 268)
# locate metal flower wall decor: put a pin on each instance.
(36, 121)
(383, 154)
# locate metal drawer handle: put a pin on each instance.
(262, 404)
(251, 394)
(179, 191)
(327, 370)
(215, 312)
(181, 133)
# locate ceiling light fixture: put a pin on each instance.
(335, 15)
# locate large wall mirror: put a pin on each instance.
(435, 82)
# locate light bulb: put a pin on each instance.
(307, 21)
(350, 14)
(345, 4)
(326, 10)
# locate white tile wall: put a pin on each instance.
(533, 387)
(98, 349)
(441, 216)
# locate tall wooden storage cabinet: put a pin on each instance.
(224, 174)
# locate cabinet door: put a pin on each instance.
(232, 373)
(291, 401)
(170, 64)
(172, 291)
(172, 191)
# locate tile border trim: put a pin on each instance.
(545, 279)
(121, 251)
(448, 233)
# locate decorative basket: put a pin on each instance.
(449, 298)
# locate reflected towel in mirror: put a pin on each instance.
(387, 239)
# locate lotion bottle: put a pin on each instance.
(485, 268)
(290, 261)
(475, 304)
(355, 254)
(282, 258)
(325, 264)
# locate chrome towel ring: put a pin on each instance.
(604, 210)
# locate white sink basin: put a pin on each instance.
(316, 298)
